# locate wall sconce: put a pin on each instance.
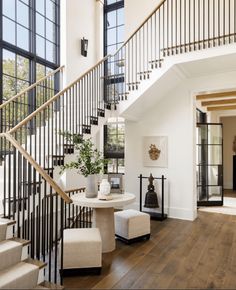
(84, 47)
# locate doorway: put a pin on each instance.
(210, 164)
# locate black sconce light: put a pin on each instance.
(84, 47)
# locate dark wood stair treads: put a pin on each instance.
(93, 120)
(101, 113)
(86, 129)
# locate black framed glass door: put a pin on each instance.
(209, 164)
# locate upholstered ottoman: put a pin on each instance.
(132, 225)
(82, 251)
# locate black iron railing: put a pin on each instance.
(174, 27)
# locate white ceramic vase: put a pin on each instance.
(91, 190)
(105, 187)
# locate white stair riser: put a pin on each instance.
(41, 276)
(9, 233)
(24, 254)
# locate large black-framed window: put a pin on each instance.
(113, 39)
(114, 131)
(113, 25)
(114, 145)
(29, 43)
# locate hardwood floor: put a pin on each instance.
(229, 193)
(179, 255)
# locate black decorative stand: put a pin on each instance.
(234, 172)
(154, 215)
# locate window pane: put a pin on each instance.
(50, 49)
(40, 46)
(9, 34)
(40, 6)
(40, 25)
(40, 71)
(120, 17)
(112, 166)
(111, 49)
(21, 85)
(111, 19)
(8, 8)
(121, 166)
(22, 37)
(22, 68)
(50, 31)
(50, 10)
(111, 36)
(120, 34)
(121, 128)
(22, 14)
(9, 63)
(9, 87)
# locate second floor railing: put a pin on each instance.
(174, 27)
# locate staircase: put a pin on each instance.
(32, 147)
(17, 270)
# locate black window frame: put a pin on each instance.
(30, 54)
(113, 80)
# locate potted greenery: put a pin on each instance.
(89, 162)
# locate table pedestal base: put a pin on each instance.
(103, 218)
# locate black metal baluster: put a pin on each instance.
(189, 24)
(219, 22)
(224, 19)
(208, 23)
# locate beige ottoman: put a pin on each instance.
(82, 251)
(132, 225)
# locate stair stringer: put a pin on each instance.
(168, 77)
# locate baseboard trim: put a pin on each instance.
(182, 214)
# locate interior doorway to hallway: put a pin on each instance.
(220, 172)
(209, 164)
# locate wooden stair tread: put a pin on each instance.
(21, 241)
(7, 222)
(37, 263)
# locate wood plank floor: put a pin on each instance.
(179, 255)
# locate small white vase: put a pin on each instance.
(105, 187)
(91, 190)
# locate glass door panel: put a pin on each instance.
(209, 164)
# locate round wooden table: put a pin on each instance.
(103, 214)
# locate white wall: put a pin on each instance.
(173, 116)
(80, 18)
(136, 12)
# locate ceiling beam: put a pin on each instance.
(219, 102)
(221, 108)
(216, 95)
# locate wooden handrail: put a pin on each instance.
(55, 97)
(75, 190)
(37, 167)
(141, 25)
(31, 86)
